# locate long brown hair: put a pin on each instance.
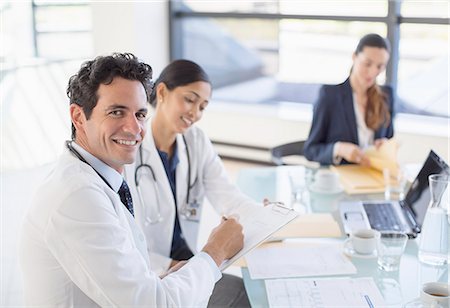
(377, 112)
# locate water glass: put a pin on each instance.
(297, 182)
(394, 184)
(309, 176)
(390, 248)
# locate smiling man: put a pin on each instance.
(80, 245)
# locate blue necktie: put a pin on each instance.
(125, 197)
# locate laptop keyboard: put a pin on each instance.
(382, 216)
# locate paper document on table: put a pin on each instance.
(360, 180)
(357, 179)
(259, 225)
(300, 261)
(384, 157)
(309, 225)
(325, 292)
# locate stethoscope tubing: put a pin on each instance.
(81, 158)
(143, 165)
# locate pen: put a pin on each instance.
(227, 217)
(369, 302)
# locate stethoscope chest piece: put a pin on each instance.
(191, 211)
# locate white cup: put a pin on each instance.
(326, 180)
(435, 294)
(364, 241)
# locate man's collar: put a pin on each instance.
(113, 177)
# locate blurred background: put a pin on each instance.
(267, 60)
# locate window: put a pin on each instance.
(423, 70)
(42, 45)
(62, 29)
(273, 51)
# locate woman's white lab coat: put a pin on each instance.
(81, 247)
(211, 181)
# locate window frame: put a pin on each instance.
(393, 20)
(36, 33)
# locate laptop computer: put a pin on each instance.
(406, 215)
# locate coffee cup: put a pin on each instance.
(326, 180)
(435, 294)
(364, 241)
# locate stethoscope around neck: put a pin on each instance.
(78, 155)
(185, 211)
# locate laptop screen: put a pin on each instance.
(418, 196)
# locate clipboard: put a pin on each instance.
(258, 225)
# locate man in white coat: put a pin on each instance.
(80, 245)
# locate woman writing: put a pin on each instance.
(351, 116)
(176, 169)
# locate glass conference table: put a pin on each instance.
(397, 288)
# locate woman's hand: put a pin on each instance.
(352, 153)
(379, 142)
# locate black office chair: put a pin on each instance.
(288, 149)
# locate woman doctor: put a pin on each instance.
(176, 169)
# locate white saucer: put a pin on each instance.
(416, 303)
(336, 190)
(349, 251)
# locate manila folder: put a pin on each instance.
(360, 180)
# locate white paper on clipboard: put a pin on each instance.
(258, 225)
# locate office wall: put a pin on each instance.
(138, 27)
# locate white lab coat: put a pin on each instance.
(81, 247)
(211, 182)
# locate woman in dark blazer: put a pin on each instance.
(355, 114)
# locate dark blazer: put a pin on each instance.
(334, 120)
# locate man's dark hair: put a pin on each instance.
(82, 87)
(179, 73)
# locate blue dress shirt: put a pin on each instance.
(179, 249)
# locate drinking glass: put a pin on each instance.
(390, 248)
(394, 184)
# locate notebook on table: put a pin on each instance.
(406, 215)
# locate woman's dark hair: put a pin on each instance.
(179, 73)
(373, 40)
(82, 87)
(377, 111)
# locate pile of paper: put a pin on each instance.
(357, 179)
(331, 292)
(283, 261)
(385, 157)
(309, 225)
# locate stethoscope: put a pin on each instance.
(187, 211)
(78, 155)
